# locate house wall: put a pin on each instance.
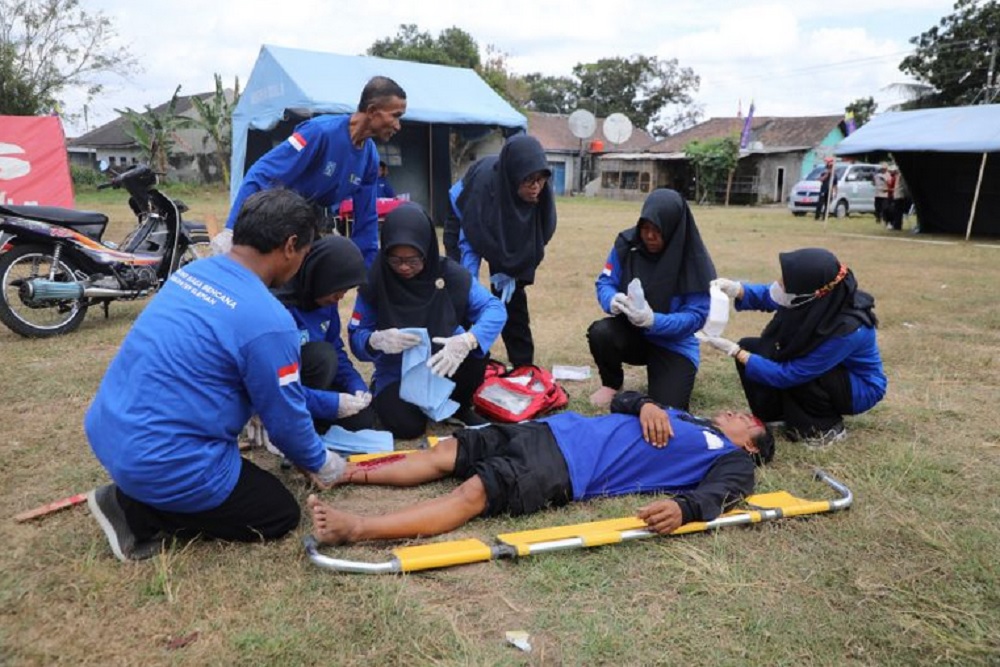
(629, 180)
(767, 176)
(814, 158)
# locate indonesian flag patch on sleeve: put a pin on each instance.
(297, 141)
(355, 319)
(288, 374)
(607, 270)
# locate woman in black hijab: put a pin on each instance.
(411, 286)
(818, 358)
(504, 211)
(335, 391)
(664, 253)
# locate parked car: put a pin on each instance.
(855, 190)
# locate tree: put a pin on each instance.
(48, 46)
(215, 117)
(953, 57)
(156, 131)
(453, 47)
(551, 94)
(641, 87)
(863, 109)
(714, 161)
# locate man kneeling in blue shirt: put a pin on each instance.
(211, 348)
(523, 468)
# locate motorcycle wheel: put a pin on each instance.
(32, 321)
(195, 251)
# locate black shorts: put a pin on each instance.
(520, 465)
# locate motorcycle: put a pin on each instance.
(54, 264)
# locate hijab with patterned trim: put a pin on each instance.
(834, 305)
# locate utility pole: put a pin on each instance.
(990, 92)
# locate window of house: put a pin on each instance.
(123, 159)
(630, 180)
(609, 180)
(392, 154)
(644, 180)
(111, 160)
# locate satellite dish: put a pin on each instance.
(582, 124)
(617, 128)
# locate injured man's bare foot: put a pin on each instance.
(332, 526)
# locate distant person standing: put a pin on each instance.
(826, 181)
(504, 211)
(900, 201)
(328, 159)
(881, 193)
(383, 187)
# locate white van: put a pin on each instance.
(855, 190)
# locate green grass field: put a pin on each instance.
(908, 576)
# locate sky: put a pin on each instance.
(788, 58)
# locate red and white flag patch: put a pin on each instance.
(297, 141)
(355, 319)
(288, 374)
(607, 270)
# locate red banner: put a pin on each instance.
(34, 168)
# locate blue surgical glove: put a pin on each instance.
(503, 284)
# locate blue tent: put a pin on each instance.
(287, 86)
(950, 160)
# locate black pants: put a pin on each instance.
(407, 421)
(880, 209)
(821, 203)
(516, 332)
(259, 508)
(319, 370)
(810, 408)
(615, 341)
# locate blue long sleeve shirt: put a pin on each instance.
(857, 352)
(673, 331)
(212, 347)
(485, 311)
(471, 259)
(323, 325)
(320, 162)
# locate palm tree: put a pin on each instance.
(156, 131)
(215, 117)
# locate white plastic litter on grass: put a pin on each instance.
(519, 638)
(571, 372)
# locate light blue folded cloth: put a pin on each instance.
(366, 441)
(419, 386)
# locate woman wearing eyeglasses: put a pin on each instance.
(818, 358)
(504, 211)
(411, 286)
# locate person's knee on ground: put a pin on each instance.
(319, 364)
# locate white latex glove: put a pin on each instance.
(393, 341)
(619, 304)
(222, 242)
(723, 345)
(352, 404)
(731, 288)
(456, 348)
(504, 284)
(640, 317)
(257, 435)
(332, 469)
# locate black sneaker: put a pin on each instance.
(468, 418)
(103, 503)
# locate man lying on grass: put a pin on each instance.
(523, 468)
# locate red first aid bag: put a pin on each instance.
(524, 393)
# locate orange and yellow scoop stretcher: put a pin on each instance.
(760, 507)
